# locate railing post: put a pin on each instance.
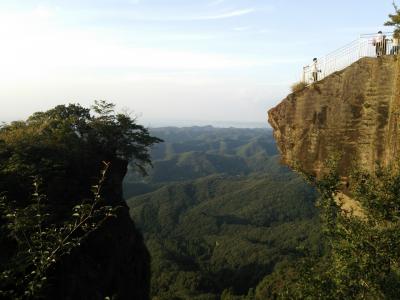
(346, 55)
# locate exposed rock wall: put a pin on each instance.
(111, 261)
(352, 115)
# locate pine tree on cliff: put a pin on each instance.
(394, 20)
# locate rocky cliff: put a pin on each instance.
(353, 115)
(111, 261)
(49, 164)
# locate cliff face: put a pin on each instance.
(111, 261)
(50, 163)
(352, 115)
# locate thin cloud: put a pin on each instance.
(130, 15)
(263, 31)
(232, 14)
(187, 37)
(226, 15)
(244, 28)
(216, 2)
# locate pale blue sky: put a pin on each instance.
(203, 60)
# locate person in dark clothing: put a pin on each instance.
(380, 44)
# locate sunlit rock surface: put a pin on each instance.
(352, 116)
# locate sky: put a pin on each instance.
(170, 62)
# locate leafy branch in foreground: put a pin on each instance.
(41, 244)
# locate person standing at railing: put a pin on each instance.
(314, 70)
(395, 44)
(380, 44)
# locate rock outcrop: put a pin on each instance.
(111, 261)
(353, 115)
(49, 164)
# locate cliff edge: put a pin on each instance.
(353, 115)
(112, 261)
(50, 164)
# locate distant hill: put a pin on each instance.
(219, 213)
(195, 152)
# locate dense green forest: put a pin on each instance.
(221, 218)
(195, 152)
(220, 215)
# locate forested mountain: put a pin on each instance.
(195, 152)
(220, 215)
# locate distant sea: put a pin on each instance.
(190, 123)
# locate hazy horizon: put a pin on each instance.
(159, 123)
(193, 123)
(209, 60)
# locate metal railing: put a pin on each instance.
(364, 46)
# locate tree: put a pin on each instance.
(394, 20)
(65, 149)
(66, 146)
(363, 256)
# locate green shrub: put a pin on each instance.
(363, 256)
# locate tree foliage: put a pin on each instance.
(65, 146)
(394, 20)
(363, 257)
(49, 166)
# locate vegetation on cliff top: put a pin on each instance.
(65, 149)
